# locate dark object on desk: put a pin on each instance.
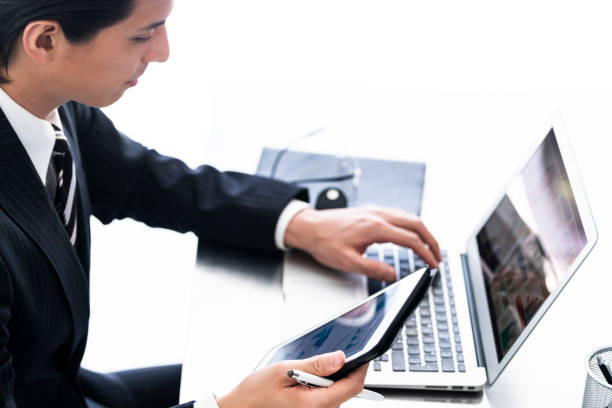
(605, 369)
(331, 198)
(382, 182)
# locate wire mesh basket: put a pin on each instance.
(597, 391)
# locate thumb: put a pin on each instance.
(324, 364)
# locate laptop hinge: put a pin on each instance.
(473, 316)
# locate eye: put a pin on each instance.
(141, 39)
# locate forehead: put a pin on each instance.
(147, 13)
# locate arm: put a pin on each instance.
(125, 179)
(7, 374)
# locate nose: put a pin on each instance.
(159, 50)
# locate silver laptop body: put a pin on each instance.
(498, 286)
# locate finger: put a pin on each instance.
(371, 268)
(411, 240)
(344, 389)
(400, 219)
(321, 365)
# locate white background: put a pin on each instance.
(419, 75)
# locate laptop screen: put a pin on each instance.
(529, 243)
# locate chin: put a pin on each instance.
(101, 101)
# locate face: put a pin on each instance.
(98, 73)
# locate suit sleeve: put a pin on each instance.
(125, 179)
(7, 374)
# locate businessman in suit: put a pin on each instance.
(62, 160)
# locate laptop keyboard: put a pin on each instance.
(430, 340)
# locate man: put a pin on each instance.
(62, 160)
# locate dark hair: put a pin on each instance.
(80, 20)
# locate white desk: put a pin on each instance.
(232, 308)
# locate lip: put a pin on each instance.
(133, 82)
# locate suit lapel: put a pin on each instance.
(24, 198)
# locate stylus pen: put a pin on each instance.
(310, 380)
(605, 369)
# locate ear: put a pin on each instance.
(40, 40)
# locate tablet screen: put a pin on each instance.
(349, 332)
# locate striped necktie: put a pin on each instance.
(61, 183)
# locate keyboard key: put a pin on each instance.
(438, 292)
(442, 326)
(448, 365)
(445, 344)
(404, 253)
(456, 329)
(410, 323)
(446, 354)
(412, 341)
(439, 301)
(414, 351)
(427, 330)
(440, 309)
(398, 345)
(384, 357)
(411, 332)
(431, 358)
(441, 318)
(460, 358)
(372, 253)
(430, 348)
(459, 348)
(414, 360)
(461, 367)
(397, 361)
(429, 367)
(457, 338)
(443, 336)
(377, 366)
(428, 339)
(426, 321)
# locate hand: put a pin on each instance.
(270, 387)
(338, 237)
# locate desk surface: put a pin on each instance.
(242, 304)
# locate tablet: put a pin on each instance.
(364, 332)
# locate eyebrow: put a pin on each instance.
(153, 26)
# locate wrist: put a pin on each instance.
(300, 228)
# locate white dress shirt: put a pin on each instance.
(38, 138)
(36, 135)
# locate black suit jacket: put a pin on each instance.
(44, 280)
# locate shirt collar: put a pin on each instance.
(36, 135)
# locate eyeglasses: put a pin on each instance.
(351, 164)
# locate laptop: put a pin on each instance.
(489, 295)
